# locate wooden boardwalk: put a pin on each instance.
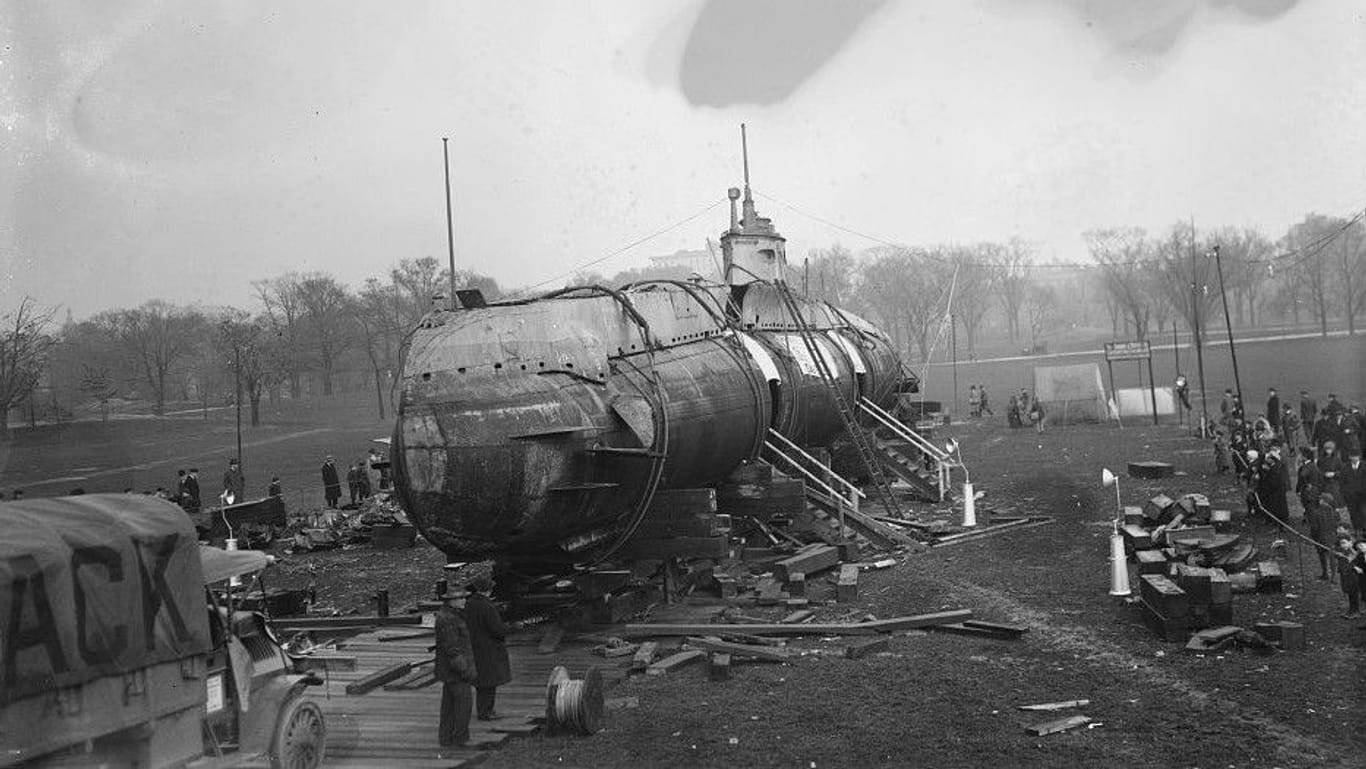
(396, 727)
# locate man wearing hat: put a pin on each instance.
(1353, 485)
(455, 670)
(1309, 413)
(487, 636)
(234, 483)
(331, 483)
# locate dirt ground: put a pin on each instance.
(942, 700)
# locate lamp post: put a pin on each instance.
(1119, 567)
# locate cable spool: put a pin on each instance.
(574, 706)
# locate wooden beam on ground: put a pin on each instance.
(645, 654)
(1060, 725)
(1064, 705)
(962, 628)
(918, 621)
(407, 636)
(798, 616)
(324, 662)
(675, 662)
(766, 653)
(846, 589)
(654, 631)
(379, 678)
(343, 623)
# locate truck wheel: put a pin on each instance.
(300, 736)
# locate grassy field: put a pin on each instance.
(144, 453)
(1336, 364)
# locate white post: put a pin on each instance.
(231, 544)
(969, 506)
(1119, 566)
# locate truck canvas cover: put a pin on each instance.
(95, 585)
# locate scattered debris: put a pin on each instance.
(1060, 725)
(675, 662)
(1064, 705)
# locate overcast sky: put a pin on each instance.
(182, 149)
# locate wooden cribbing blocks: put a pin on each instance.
(1220, 590)
(729, 589)
(860, 649)
(1163, 596)
(1159, 509)
(809, 562)
(644, 656)
(1189, 534)
(1290, 635)
(846, 589)
(1164, 627)
(1137, 538)
(1195, 581)
(1133, 516)
(719, 670)
(1151, 561)
(796, 584)
(675, 662)
(1269, 578)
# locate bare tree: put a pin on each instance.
(1011, 267)
(905, 289)
(973, 285)
(1347, 252)
(1041, 307)
(1244, 253)
(24, 348)
(1122, 254)
(254, 352)
(285, 310)
(1183, 275)
(830, 275)
(154, 338)
(1310, 269)
(326, 306)
(380, 333)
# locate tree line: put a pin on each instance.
(311, 325)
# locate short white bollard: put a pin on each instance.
(1119, 566)
(231, 544)
(969, 506)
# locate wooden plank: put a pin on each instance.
(961, 628)
(917, 621)
(675, 662)
(1064, 705)
(719, 670)
(612, 652)
(645, 654)
(407, 636)
(328, 662)
(379, 678)
(796, 584)
(681, 503)
(798, 616)
(846, 589)
(325, 623)
(1006, 629)
(812, 628)
(676, 547)
(766, 653)
(1060, 725)
(809, 562)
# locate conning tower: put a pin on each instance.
(751, 248)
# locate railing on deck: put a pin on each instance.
(822, 477)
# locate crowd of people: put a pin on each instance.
(1019, 409)
(1321, 449)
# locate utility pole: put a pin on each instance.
(237, 372)
(953, 336)
(450, 227)
(1228, 324)
(1199, 353)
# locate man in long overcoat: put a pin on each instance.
(1309, 413)
(192, 490)
(488, 634)
(234, 482)
(454, 668)
(331, 483)
(1273, 409)
(1353, 485)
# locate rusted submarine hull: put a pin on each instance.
(540, 429)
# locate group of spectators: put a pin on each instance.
(363, 478)
(1322, 450)
(1018, 409)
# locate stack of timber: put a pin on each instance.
(680, 523)
(1187, 569)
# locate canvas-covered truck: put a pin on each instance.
(119, 645)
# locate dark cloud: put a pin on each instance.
(761, 51)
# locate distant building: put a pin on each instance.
(701, 262)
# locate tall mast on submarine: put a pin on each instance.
(751, 249)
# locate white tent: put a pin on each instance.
(1137, 401)
(1071, 393)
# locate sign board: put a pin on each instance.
(1139, 350)
(213, 690)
